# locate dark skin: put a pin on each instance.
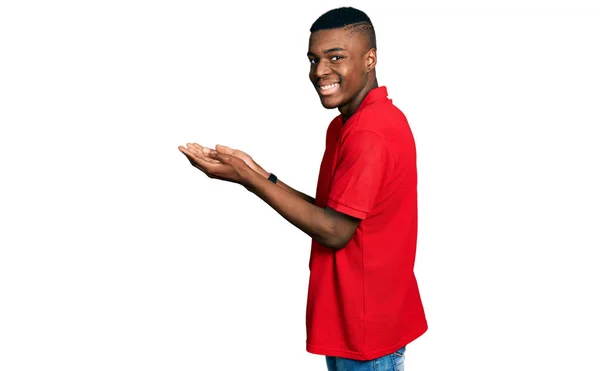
(343, 63)
(342, 56)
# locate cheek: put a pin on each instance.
(348, 78)
(353, 75)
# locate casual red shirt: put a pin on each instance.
(363, 300)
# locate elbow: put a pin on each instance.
(336, 242)
(338, 230)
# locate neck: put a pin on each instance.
(349, 109)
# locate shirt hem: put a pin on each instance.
(337, 206)
(363, 356)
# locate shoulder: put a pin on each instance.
(388, 121)
(381, 116)
(382, 120)
(334, 126)
(364, 146)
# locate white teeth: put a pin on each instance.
(330, 86)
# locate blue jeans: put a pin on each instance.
(391, 362)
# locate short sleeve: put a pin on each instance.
(363, 161)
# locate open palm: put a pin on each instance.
(242, 156)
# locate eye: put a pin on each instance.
(312, 60)
(336, 58)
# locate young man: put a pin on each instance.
(364, 305)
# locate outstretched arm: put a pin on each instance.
(281, 184)
(259, 169)
(325, 225)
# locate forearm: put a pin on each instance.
(299, 211)
(281, 184)
(295, 192)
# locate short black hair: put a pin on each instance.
(347, 17)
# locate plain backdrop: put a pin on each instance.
(116, 254)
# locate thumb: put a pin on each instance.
(224, 149)
(222, 157)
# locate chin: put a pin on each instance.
(329, 103)
(329, 106)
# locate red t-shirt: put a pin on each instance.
(363, 300)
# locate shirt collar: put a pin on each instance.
(372, 96)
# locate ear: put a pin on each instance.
(371, 59)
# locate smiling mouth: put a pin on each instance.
(329, 88)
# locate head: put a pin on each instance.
(342, 52)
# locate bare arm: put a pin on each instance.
(288, 188)
(328, 227)
(259, 169)
(298, 193)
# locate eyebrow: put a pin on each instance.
(328, 51)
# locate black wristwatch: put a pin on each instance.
(273, 178)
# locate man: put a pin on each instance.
(363, 305)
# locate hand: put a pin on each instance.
(216, 165)
(244, 156)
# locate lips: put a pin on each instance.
(328, 88)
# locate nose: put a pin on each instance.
(322, 68)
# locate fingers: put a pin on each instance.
(190, 154)
(200, 152)
(206, 152)
(195, 148)
(185, 151)
(197, 159)
(224, 149)
(214, 164)
(221, 157)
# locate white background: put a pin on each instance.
(116, 254)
